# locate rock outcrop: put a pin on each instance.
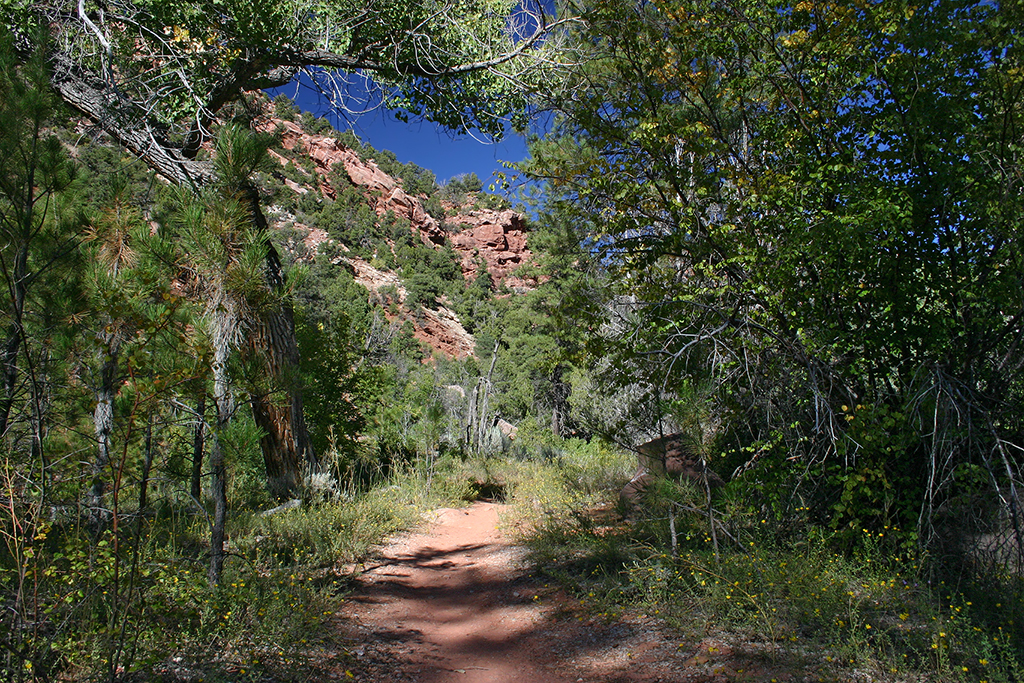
(443, 332)
(670, 456)
(499, 239)
(496, 238)
(440, 329)
(385, 192)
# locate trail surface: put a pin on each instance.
(453, 602)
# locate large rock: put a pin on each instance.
(440, 329)
(497, 237)
(669, 456)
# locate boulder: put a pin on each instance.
(668, 456)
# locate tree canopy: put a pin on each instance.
(156, 74)
(816, 206)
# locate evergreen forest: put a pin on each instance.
(240, 346)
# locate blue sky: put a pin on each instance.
(422, 143)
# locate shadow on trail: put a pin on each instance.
(428, 558)
(458, 603)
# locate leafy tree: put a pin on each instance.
(39, 224)
(418, 181)
(454, 191)
(816, 207)
(284, 108)
(433, 207)
(177, 65)
(156, 76)
(465, 182)
(339, 338)
(38, 217)
(315, 125)
(121, 275)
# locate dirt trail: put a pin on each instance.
(452, 602)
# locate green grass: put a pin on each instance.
(139, 601)
(143, 604)
(871, 609)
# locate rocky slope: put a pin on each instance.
(440, 329)
(497, 239)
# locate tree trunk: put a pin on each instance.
(198, 447)
(470, 435)
(560, 399)
(287, 450)
(15, 332)
(103, 425)
(483, 424)
(147, 462)
(10, 370)
(218, 471)
(286, 447)
(218, 490)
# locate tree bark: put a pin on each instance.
(218, 472)
(14, 334)
(147, 463)
(198, 447)
(103, 425)
(277, 410)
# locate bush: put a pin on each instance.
(314, 125)
(869, 605)
(284, 108)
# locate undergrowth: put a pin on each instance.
(137, 602)
(870, 606)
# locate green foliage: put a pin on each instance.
(284, 108)
(809, 208)
(314, 125)
(247, 487)
(415, 180)
(876, 608)
(427, 273)
(333, 322)
(433, 207)
(458, 187)
(41, 213)
(533, 353)
(463, 183)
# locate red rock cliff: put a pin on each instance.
(497, 237)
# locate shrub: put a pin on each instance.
(284, 108)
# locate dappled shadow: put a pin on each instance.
(437, 610)
(428, 557)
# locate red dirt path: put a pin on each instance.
(454, 602)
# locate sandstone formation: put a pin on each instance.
(385, 192)
(497, 238)
(442, 330)
(439, 329)
(668, 456)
